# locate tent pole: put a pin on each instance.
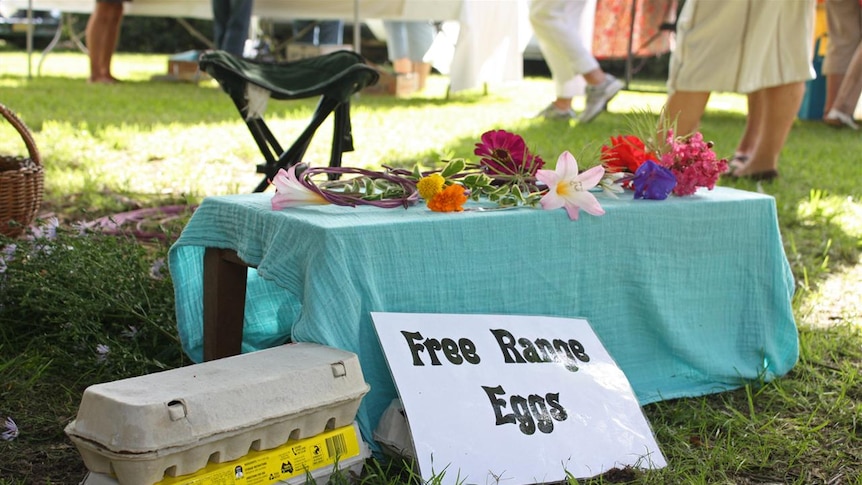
(630, 55)
(30, 39)
(357, 44)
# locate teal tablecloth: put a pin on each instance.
(690, 295)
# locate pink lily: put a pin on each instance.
(570, 189)
(290, 192)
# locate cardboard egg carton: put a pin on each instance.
(176, 422)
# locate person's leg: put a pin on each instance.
(848, 94)
(753, 125)
(833, 84)
(397, 46)
(844, 24)
(420, 37)
(103, 31)
(555, 25)
(683, 111)
(776, 111)
(330, 32)
(237, 26)
(221, 12)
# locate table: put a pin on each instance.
(690, 295)
(488, 49)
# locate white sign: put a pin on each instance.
(504, 399)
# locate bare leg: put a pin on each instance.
(103, 30)
(848, 94)
(776, 114)
(402, 66)
(422, 70)
(683, 111)
(833, 82)
(753, 125)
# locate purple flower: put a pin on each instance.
(9, 252)
(102, 352)
(48, 230)
(11, 432)
(652, 181)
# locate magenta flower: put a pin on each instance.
(652, 181)
(570, 189)
(693, 163)
(505, 156)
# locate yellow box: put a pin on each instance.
(339, 448)
(820, 30)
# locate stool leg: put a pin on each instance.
(342, 138)
(294, 154)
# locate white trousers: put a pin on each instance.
(557, 26)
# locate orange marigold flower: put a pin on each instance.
(451, 199)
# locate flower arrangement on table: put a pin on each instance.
(507, 174)
(679, 165)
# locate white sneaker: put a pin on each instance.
(554, 113)
(598, 97)
(837, 118)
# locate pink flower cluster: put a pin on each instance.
(693, 163)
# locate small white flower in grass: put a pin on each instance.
(11, 430)
(130, 333)
(157, 269)
(102, 350)
(570, 189)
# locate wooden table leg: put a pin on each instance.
(224, 302)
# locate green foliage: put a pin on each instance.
(69, 295)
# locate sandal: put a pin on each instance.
(736, 163)
(838, 119)
(765, 176)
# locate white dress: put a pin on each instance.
(742, 46)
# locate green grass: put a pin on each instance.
(108, 149)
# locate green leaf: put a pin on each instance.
(453, 167)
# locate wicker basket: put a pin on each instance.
(21, 183)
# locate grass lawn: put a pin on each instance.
(142, 143)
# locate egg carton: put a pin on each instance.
(175, 422)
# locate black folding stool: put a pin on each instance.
(335, 77)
